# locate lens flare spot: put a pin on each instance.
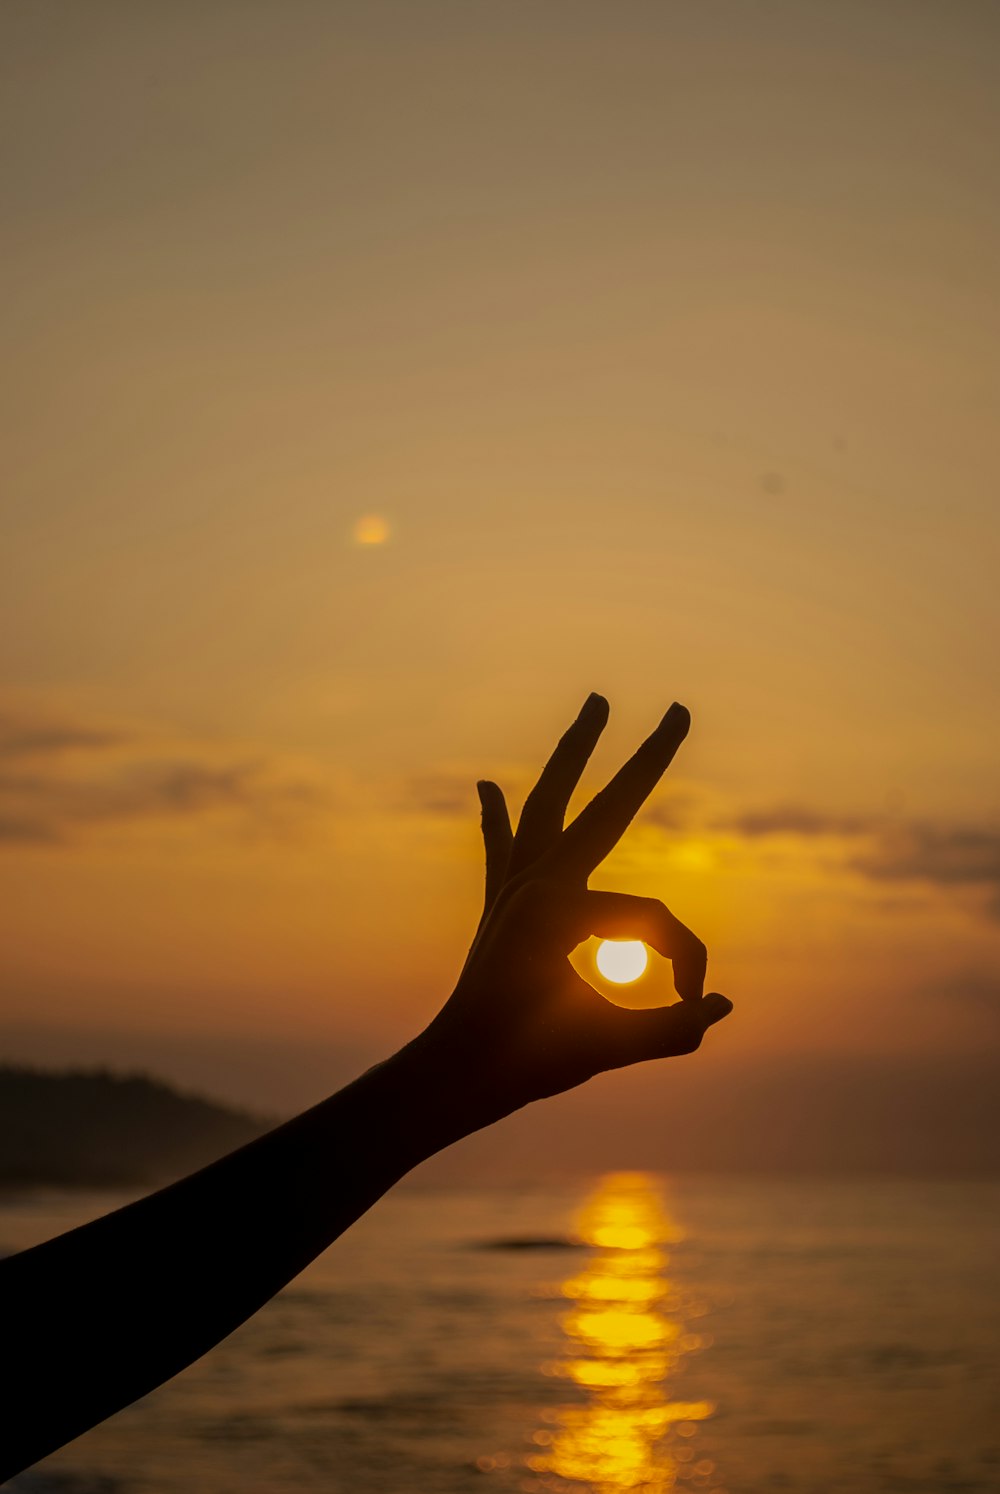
(370, 529)
(622, 960)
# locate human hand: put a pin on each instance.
(521, 1021)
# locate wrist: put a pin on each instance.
(439, 1090)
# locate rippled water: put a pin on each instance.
(627, 1333)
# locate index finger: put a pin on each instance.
(600, 825)
(541, 820)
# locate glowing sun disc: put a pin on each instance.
(621, 960)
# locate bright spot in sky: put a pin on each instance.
(371, 529)
(621, 960)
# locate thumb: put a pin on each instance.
(667, 1031)
(714, 1007)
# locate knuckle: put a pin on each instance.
(534, 901)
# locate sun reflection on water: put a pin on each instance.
(625, 1334)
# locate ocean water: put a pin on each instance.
(629, 1332)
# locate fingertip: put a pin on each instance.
(595, 708)
(715, 1006)
(489, 793)
(678, 719)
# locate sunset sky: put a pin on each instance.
(660, 339)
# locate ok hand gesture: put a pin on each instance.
(521, 1017)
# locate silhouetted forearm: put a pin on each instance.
(100, 1316)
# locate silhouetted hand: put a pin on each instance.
(521, 1020)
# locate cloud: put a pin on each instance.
(793, 819)
(947, 856)
(181, 788)
(26, 738)
(115, 778)
(449, 794)
(26, 830)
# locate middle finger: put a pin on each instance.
(544, 810)
(598, 827)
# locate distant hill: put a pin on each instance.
(97, 1128)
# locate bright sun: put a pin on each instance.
(621, 960)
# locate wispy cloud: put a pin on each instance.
(448, 793)
(59, 778)
(39, 736)
(952, 856)
(26, 829)
(796, 819)
(948, 855)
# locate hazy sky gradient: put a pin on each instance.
(663, 336)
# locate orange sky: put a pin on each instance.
(662, 339)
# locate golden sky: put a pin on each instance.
(653, 349)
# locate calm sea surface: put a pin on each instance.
(629, 1332)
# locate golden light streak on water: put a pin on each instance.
(624, 1434)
